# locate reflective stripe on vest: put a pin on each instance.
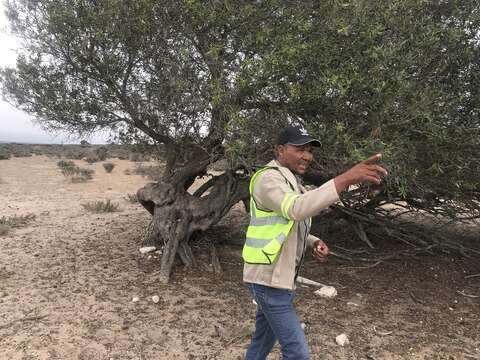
(268, 230)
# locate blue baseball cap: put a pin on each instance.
(295, 135)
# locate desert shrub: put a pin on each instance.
(108, 167)
(92, 158)
(101, 153)
(4, 154)
(21, 153)
(84, 143)
(123, 156)
(76, 174)
(137, 157)
(131, 198)
(100, 206)
(75, 154)
(16, 221)
(68, 168)
(153, 172)
(4, 230)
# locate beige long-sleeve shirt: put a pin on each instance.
(269, 192)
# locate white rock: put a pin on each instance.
(155, 299)
(328, 292)
(135, 299)
(147, 249)
(303, 326)
(342, 340)
(254, 302)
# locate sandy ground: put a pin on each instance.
(67, 281)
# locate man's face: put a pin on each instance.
(296, 158)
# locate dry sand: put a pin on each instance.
(67, 282)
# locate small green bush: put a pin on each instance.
(100, 206)
(108, 167)
(101, 153)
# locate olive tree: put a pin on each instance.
(217, 79)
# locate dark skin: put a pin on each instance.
(298, 158)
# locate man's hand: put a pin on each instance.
(365, 171)
(320, 250)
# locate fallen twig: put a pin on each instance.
(471, 276)
(417, 300)
(468, 295)
(362, 267)
(381, 333)
(305, 281)
(30, 318)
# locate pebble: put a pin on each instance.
(147, 249)
(135, 299)
(342, 340)
(328, 292)
(155, 299)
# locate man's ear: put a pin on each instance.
(280, 149)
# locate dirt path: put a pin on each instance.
(67, 282)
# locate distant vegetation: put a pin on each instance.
(87, 152)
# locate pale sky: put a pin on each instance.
(16, 125)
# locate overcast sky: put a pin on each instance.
(15, 125)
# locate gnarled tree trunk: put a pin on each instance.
(177, 214)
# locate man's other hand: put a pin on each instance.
(320, 250)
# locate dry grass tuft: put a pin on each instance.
(131, 198)
(100, 206)
(4, 230)
(16, 221)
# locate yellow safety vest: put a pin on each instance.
(268, 230)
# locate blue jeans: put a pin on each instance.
(276, 319)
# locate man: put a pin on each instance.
(278, 234)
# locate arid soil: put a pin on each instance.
(68, 278)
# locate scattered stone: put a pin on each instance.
(135, 299)
(342, 340)
(254, 302)
(155, 299)
(147, 249)
(328, 292)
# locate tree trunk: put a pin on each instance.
(177, 214)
